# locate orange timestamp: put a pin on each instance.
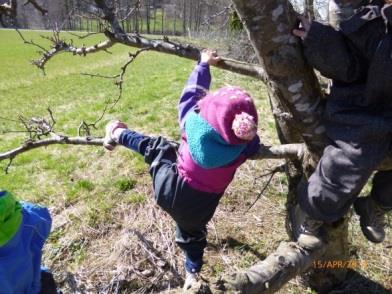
(340, 264)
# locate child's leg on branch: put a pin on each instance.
(134, 141)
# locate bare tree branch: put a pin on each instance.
(119, 80)
(37, 6)
(129, 13)
(208, 19)
(187, 51)
(57, 139)
(7, 167)
(271, 173)
(85, 36)
(288, 261)
(60, 46)
(295, 151)
(137, 41)
(274, 153)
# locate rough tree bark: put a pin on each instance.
(309, 8)
(296, 102)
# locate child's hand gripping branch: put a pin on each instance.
(218, 134)
(209, 56)
(113, 132)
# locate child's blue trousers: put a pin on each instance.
(191, 209)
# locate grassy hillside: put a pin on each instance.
(108, 236)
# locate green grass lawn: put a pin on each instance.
(107, 233)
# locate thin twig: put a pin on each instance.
(208, 19)
(8, 165)
(280, 168)
(37, 6)
(84, 36)
(31, 42)
(119, 80)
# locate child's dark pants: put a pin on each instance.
(191, 209)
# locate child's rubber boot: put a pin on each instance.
(309, 237)
(109, 142)
(191, 279)
(371, 219)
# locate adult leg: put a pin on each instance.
(382, 189)
(339, 177)
(372, 209)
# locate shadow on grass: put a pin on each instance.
(237, 245)
(356, 283)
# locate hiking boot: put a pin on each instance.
(191, 279)
(109, 142)
(309, 237)
(371, 219)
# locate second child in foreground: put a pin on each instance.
(218, 134)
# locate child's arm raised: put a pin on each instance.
(198, 84)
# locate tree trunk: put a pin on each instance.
(184, 18)
(175, 19)
(295, 98)
(148, 16)
(309, 8)
(155, 17)
(163, 20)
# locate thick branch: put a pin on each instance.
(187, 51)
(285, 151)
(64, 47)
(292, 151)
(266, 152)
(137, 41)
(269, 275)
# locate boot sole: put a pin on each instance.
(359, 210)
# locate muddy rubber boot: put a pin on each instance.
(309, 237)
(371, 219)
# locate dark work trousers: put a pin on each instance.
(358, 144)
(191, 209)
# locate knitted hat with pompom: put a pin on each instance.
(232, 113)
